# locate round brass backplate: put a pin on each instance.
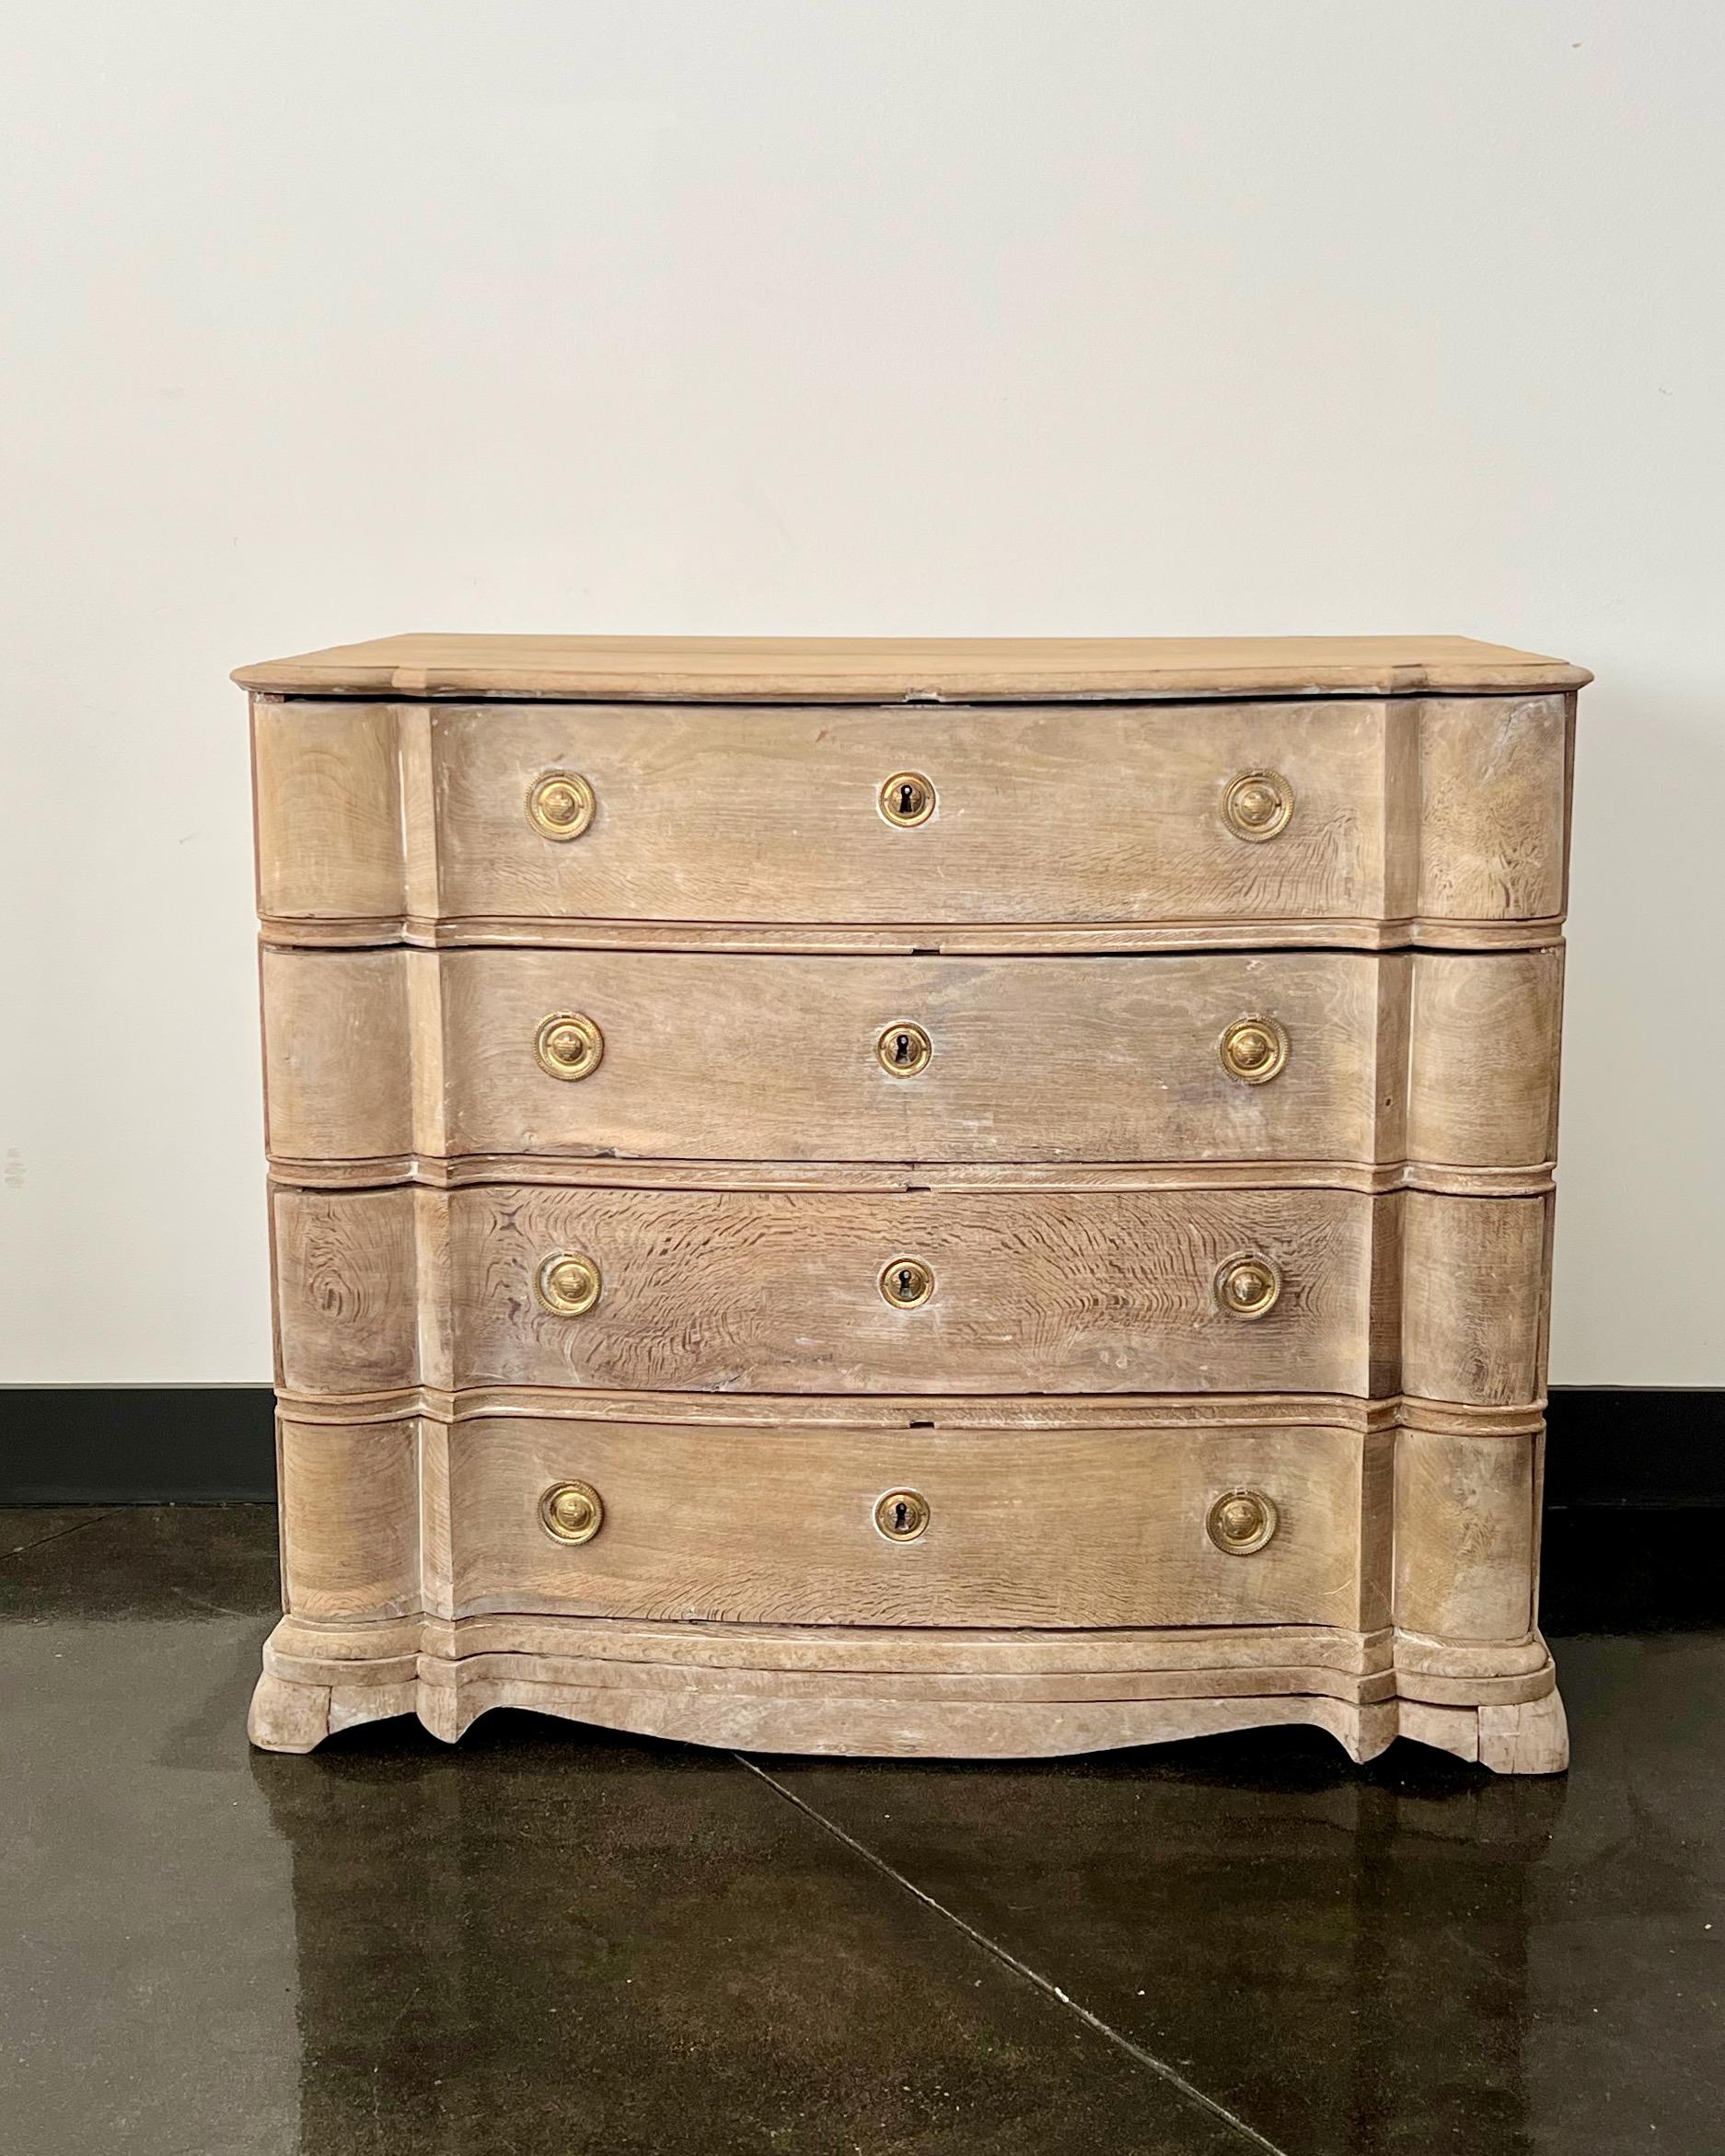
(572, 1511)
(567, 1285)
(907, 1282)
(1257, 805)
(569, 1046)
(1253, 1051)
(560, 805)
(904, 1050)
(908, 798)
(1241, 1521)
(1248, 1286)
(901, 1515)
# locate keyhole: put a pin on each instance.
(906, 1283)
(903, 1049)
(901, 1515)
(906, 798)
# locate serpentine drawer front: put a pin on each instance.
(1237, 1291)
(1042, 1529)
(1434, 1067)
(947, 1197)
(1325, 816)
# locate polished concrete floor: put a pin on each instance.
(551, 1939)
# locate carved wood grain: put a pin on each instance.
(778, 1292)
(347, 1291)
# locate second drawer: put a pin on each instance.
(1435, 1058)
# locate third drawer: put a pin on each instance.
(1265, 1290)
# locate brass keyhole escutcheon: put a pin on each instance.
(908, 798)
(1241, 1521)
(904, 1050)
(568, 1045)
(1253, 1051)
(1257, 805)
(907, 1282)
(560, 805)
(567, 1285)
(1248, 1286)
(572, 1511)
(901, 1515)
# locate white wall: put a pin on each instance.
(325, 320)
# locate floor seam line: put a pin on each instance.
(59, 1535)
(1046, 1984)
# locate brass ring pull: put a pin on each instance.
(908, 798)
(567, 1285)
(560, 805)
(1241, 1521)
(568, 1045)
(1248, 1286)
(1253, 1051)
(572, 1511)
(901, 1515)
(904, 1050)
(907, 1282)
(1257, 805)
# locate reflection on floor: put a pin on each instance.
(551, 1939)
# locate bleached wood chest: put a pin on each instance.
(915, 1196)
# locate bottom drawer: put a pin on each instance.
(946, 1527)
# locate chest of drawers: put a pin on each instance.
(913, 1198)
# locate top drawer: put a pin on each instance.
(1375, 821)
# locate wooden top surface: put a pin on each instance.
(916, 669)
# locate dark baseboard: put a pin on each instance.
(1645, 1447)
(1630, 1446)
(136, 1444)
